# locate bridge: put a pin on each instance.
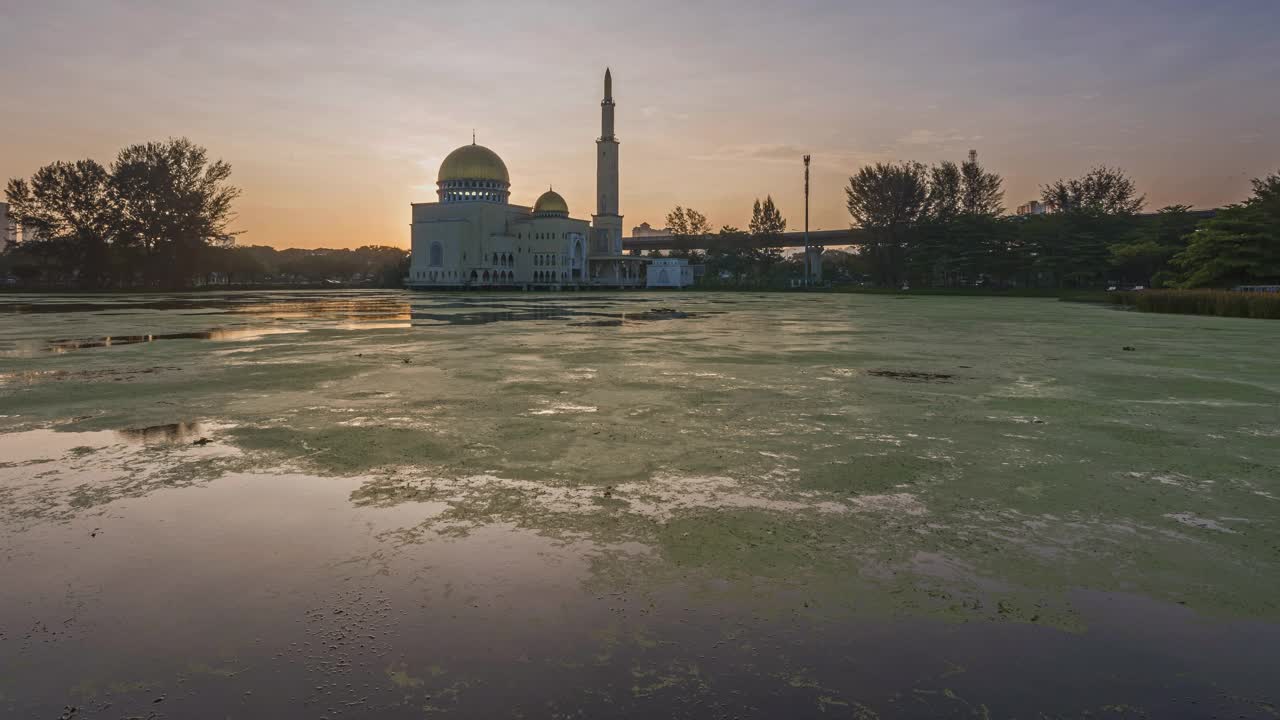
(817, 238)
(711, 242)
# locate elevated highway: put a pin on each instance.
(817, 238)
(827, 238)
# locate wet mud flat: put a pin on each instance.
(403, 505)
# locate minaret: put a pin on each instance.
(607, 221)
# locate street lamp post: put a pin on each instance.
(806, 221)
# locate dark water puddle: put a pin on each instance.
(168, 434)
(911, 376)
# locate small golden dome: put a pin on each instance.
(473, 162)
(551, 202)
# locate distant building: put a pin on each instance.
(4, 226)
(1032, 207)
(669, 273)
(643, 230)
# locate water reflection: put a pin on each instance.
(368, 312)
(273, 596)
(216, 334)
(607, 319)
(163, 434)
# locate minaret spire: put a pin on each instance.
(607, 221)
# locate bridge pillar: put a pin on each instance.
(813, 264)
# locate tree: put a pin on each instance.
(887, 200)
(69, 217)
(1143, 256)
(1239, 245)
(1102, 191)
(688, 226)
(1090, 214)
(981, 192)
(767, 226)
(173, 202)
(687, 223)
(727, 254)
(943, 203)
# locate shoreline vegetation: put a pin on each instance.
(158, 219)
(1221, 303)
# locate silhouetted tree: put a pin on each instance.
(943, 201)
(1143, 256)
(888, 200)
(728, 255)
(1239, 245)
(173, 202)
(767, 226)
(689, 225)
(69, 219)
(1102, 191)
(1090, 214)
(981, 192)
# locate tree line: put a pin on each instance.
(945, 226)
(733, 255)
(158, 217)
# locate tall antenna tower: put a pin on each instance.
(806, 220)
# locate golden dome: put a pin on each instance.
(473, 162)
(551, 202)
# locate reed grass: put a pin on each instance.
(1223, 303)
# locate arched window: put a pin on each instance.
(436, 258)
(473, 276)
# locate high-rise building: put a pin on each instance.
(645, 230)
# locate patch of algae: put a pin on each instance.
(993, 563)
(400, 677)
(346, 450)
(1052, 461)
(682, 675)
(80, 483)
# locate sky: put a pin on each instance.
(335, 116)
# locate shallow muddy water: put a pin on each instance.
(393, 505)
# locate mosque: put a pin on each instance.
(473, 237)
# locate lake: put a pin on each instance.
(391, 505)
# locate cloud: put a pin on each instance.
(653, 112)
(773, 152)
(922, 137)
(788, 153)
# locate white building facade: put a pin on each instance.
(473, 237)
(669, 273)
